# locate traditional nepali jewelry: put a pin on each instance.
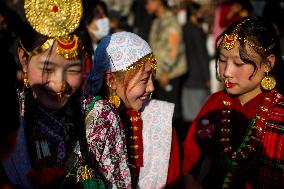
(226, 82)
(67, 46)
(252, 138)
(230, 40)
(56, 20)
(148, 58)
(114, 99)
(65, 90)
(268, 82)
(25, 79)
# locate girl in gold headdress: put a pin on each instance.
(50, 147)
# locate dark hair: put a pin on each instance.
(192, 8)
(165, 3)
(30, 38)
(9, 96)
(263, 36)
(90, 10)
(89, 13)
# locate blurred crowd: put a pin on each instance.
(181, 32)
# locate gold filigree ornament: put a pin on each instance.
(67, 46)
(268, 82)
(55, 19)
(148, 58)
(115, 100)
(230, 41)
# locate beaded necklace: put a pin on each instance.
(251, 140)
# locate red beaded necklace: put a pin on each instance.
(252, 138)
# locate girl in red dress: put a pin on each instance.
(240, 129)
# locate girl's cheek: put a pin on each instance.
(75, 82)
(35, 76)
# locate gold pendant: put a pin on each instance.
(115, 100)
(268, 83)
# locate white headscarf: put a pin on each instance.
(115, 52)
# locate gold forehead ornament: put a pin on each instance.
(230, 40)
(56, 19)
(148, 58)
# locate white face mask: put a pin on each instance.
(103, 28)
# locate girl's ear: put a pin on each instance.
(23, 58)
(111, 81)
(270, 62)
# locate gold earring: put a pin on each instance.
(114, 99)
(268, 82)
(25, 79)
(150, 96)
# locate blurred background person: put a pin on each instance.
(95, 24)
(118, 22)
(166, 40)
(196, 82)
(141, 26)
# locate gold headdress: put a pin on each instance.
(55, 19)
(230, 40)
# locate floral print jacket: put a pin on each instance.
(107, 144)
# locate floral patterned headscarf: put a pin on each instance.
(115, 52)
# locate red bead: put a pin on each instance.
(54, 8)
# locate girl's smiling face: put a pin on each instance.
(139, 87)
(53, 78)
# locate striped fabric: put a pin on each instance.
(271, 162)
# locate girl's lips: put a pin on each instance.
(229, 85)
(144, 98)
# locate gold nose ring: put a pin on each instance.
(63, 89)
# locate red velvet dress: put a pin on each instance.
(263, 169)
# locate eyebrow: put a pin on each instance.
(70, 64)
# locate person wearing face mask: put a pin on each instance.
(95, 24)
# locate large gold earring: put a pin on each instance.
(114, 99)
(25, 79)
(268, 82)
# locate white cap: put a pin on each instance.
(125, 49)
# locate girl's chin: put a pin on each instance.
(232, 92)
(53, 104)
